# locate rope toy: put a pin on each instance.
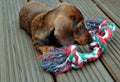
(60, 60)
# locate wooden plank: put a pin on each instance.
(96, 71)
(18, 59)
(1, 44)
(114, 70)
(111, 8)
(51, 3)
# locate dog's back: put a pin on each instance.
(28, 12)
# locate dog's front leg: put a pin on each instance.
(41, 48)
(45, 48)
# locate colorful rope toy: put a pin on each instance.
(60, 60)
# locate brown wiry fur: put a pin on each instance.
(39, 20)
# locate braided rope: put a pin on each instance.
(63, 59)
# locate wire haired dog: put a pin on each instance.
(48, 27)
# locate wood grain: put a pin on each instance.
(111, 8)
(18, 59)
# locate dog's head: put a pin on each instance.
(81, 34)
(69, 26)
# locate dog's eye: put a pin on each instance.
(81, 29)
(81, 26)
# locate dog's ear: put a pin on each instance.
(62, 26)
(63, 30)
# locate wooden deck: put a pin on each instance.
(19, 59)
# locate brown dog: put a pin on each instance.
(60, 26)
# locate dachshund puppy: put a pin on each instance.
(48, 27)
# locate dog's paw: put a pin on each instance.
(45, 49)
